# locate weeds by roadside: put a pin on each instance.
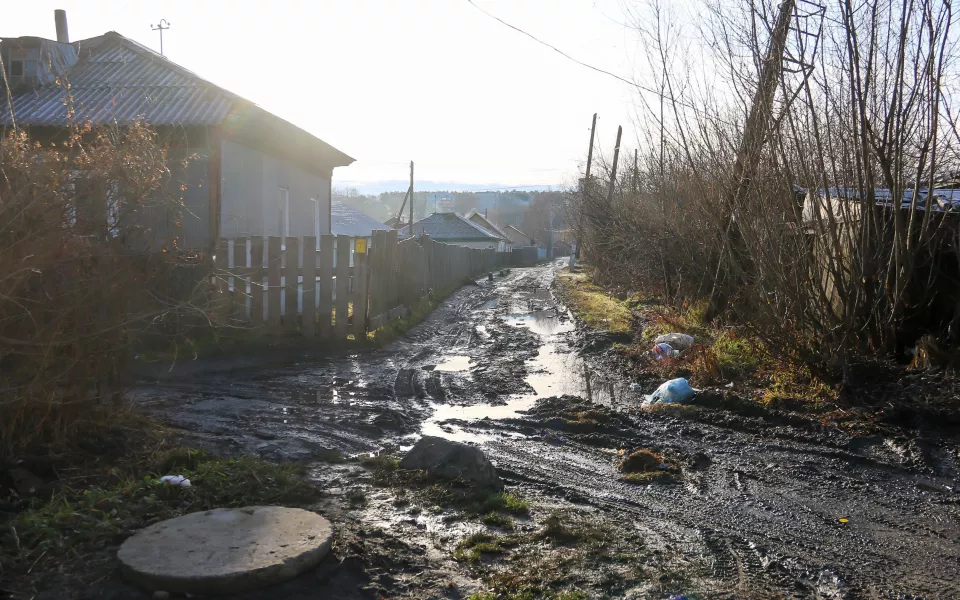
(720, 354)
(569, 555)
(593, 306)
(462, 495)
(101, 504)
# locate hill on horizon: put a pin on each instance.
(374, 188)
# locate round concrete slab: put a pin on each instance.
(226, 550)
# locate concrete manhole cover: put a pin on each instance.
(226, 550)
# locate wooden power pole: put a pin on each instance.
(748, 155)
(586, 183)
(613, 171)
(411, 198)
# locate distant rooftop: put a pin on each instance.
(451, 227)
(347, 220)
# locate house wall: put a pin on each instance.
(250, 201)
(161, 220)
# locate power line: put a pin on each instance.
(636, 85)
(552, 47)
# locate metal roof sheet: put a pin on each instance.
(487, 224)
(449, 226)
(518, 237)
(118, 80)
(347, 220)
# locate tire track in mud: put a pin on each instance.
(759, 505)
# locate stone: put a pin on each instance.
(226, 550)
(444, 458)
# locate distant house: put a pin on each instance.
(347, 220)
(518, 237)
(451, 228)
(252, 173)
(506, 245)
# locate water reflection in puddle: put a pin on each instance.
(454, 363)
(542, 322)
(555, 371)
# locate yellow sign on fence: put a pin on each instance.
(361, 246)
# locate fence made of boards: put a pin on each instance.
(358, 284)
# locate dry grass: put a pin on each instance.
(86, 281)
(109, 487)
(592, 305)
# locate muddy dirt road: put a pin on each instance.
(764, 507)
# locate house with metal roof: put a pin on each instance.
(481, 220)
(451, 228)
(247, 172)
(518, 237)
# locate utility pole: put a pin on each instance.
(748, 155)
(636, 176)
(161, 27)
(411, 198)
(613, 172)
(586, 183)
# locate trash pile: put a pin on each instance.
(672, 344)
(675, 391)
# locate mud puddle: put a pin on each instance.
(555, 370)
(756, 509)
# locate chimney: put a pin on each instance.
(60, 16)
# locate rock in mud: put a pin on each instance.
(452, 460)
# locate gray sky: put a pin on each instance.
(387, 81)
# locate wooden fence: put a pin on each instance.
(266, 283)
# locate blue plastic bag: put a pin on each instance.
(676, 390)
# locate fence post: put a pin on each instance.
(239, 266)
(274, 266)
(343, 286)
(256, 280)
(308, 318)
(375, 290)
(326, 285)
(292, 284)
(220, 274)
(390, 297)
(360, 297)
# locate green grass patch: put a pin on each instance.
(737, 356)
(496, 519)
(452, 493)
(130, 498)
(476, 546)
(562, 527)
(592, 305)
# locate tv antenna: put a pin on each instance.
(161, 27)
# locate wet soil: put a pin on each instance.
(765, 505)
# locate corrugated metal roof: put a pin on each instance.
(479, 219)
(518, 237)
(449, 226)
(346, 220)
(118, 80)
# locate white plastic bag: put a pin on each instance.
(179, 480)
(664, 350)
(676, 390)
(679, 341)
